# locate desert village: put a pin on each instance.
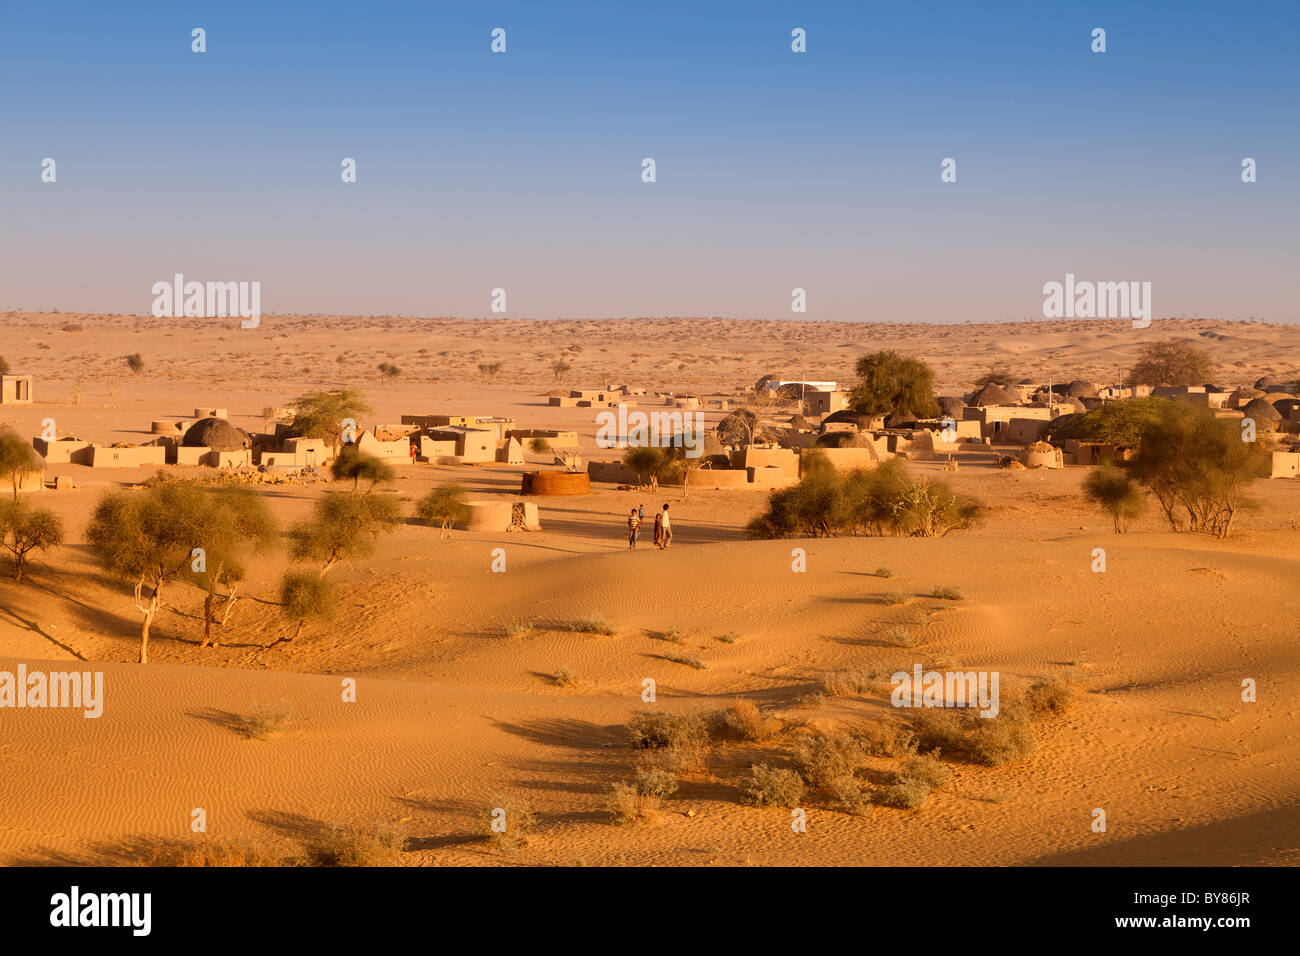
(744, 449)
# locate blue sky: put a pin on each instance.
(775, 170)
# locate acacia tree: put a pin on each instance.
(649, 463)
(147, 536)
(24, 529)
(17, 458)
(444, 507)
(237, 525)
(1115, 493)
(358, 466)
(322, 414)
(305, 596)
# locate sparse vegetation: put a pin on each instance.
(655, 782)
(305, 596)
(265, 721)
(846, 683)
(1115, 493)
(593, 625)
(505, 822)
(947, 594)
(352, 464)
(625, 804)
(135, 363)
(745, 721)
(884, 572)
(771, 787)
(1049, 697)
(888, 738)
(1171, 362)
(24, 529)
(898, 636)
(563, 677)
(906, 794)
(821, 760)
(690, 660)
(896, 598)
(353, 846)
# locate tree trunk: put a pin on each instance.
(207, 620)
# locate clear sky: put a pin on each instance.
(775, 169)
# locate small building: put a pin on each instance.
(15, 389)
(817, 402)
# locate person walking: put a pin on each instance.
(659, 529)
(633, 529)
(666, 533)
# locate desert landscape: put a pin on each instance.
(466, 671)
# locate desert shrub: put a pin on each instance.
(353, 846)
(905, 794)
(306, 596)
(731, 637)
(593, 625)
(17, 458)
(1049, 696)
(655, 782)
(896, 598)
(846, 683)
(898, 636)
(745, 721)
(505, 821)
(771, 787)
(135, 363)
(883, 572)
(928, 769)
(519, 627)
(650, 463)
(658, 730)
(690, 660)
(888, 738)
(625, 805)
(563, 677)
(539, 446)
(821, 760)
(265, 721)
(961, 731)
(1111, 489)
(207, 853)
(947, 594)
(851, 795)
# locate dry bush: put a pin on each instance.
(884, 572)
(593, 625)
(896, 598)
(519, 628)
(216, 853)
(1050, 696)
(898, 636)
(811, 700)
(846, 683)
(745, 721)
(822, 760)
(505, 822)
(731, 637)
(851, 795)
(690, 660)
(679, 740)
(887, 739)
(988, 740)
(626, 805)
(771, 787)
(265, 721)
(655, 782)
(353, 846)
(906, 794)
(928, 769)
(563, 677)
(948, 594)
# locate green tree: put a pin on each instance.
(889, 383)
(322, 414)
(1111, 489)
(17, 458)
(1121, 422)
(147, 536)
(24, 529)
(649, 463)
(344, 527)
(357, 466)
(444, 507)
(305, 596)
(1171, 362)
(236, 526)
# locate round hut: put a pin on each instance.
(217, 434)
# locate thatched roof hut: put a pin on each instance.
(1243, 395)
(742, 427)
(799, 423)
(217, 434)
(950, 405)
(1262, 410)
(993, 394)
(847, 416)
(1081, 389)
